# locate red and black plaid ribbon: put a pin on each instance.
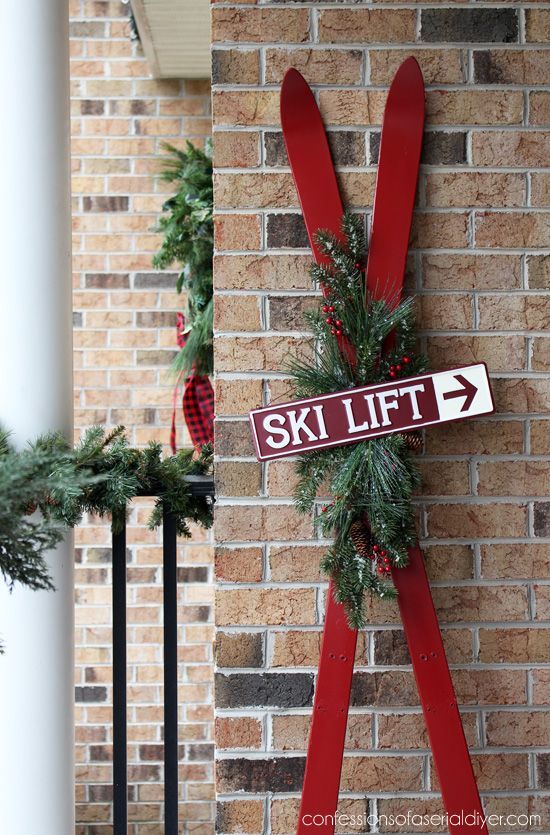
(197, 402)
(198, 409)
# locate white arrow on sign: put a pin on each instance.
(462, 392)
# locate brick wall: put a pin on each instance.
(480, 268)
(124, 340)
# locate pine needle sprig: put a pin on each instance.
(313, 471)
(372, 481)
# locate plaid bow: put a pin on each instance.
(197, 401)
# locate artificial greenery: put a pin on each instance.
(188, 231)
(46, 488)
(24, 539)
(358, 340)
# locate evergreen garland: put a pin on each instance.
(371, 516)
(188, 230)
(101, 475)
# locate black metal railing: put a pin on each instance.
(200, 486)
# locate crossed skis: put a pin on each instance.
(315, 180)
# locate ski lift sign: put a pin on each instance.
(358, 414)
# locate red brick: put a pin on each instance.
(441, 229)
(540, 190)
(477, 603)
(295, 562)
(254, 191)
(238, 815)
(467, 189)
(499, 353)
(236, 149)
(343, 25)
(515, 149)
(258, 25)
(537, 25)
(374, 774)
(484, 520)
(474, 107)
(250, 107)
(439, 66)
(237, 232)
(540, 437)
(514, 560)
(238, 732)
(318, 66)
(269, 606)
(235, 66)
(238, 565)
(517, 396)
(237, 397)
(446, 312)
(494, 772)
(515, 478)
(517, 312)
(539, 108)
(515, 646)
(512, 229)
(247, 272)
(471, 272)
(259, 522)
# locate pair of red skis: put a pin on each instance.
(315, 179)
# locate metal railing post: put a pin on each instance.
(170, 604)
(120, 731)
(200, 486)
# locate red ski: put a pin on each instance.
(321, 204)
(315, 179)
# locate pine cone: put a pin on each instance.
(360, 537)
(414, 441)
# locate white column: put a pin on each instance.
(36, 672)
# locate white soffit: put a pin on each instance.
(175, 35)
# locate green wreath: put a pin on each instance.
(187, 227)
(371, 516)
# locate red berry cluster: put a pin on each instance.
(334, 323)
(395, 370)
(381, 559)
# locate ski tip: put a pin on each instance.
(295, 95)
(406, 92)
(293, 80)
(409, 72)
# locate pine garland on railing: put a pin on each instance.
(371, 516)
(47, 487)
